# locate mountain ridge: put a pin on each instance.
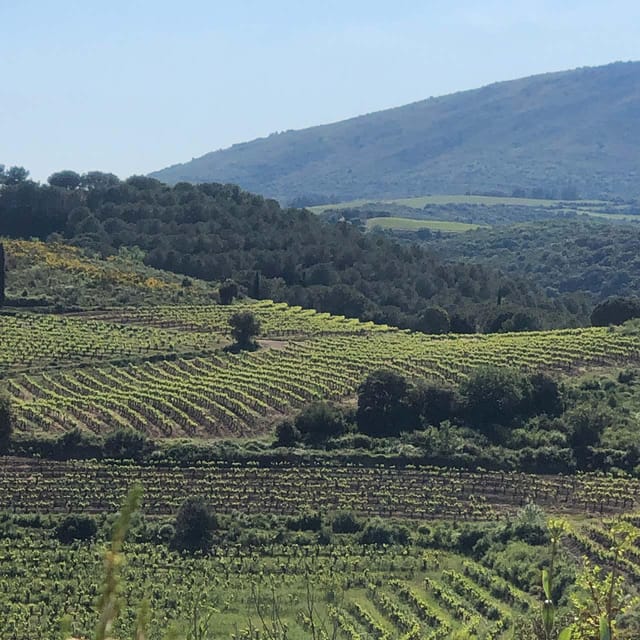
(578, 127)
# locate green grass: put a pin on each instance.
(609, 216)
(421, 201)
(410, 224)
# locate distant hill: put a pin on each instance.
(552, 134)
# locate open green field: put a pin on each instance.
(420, 202)
(409, 224)
(595, 208)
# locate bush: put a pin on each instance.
(586, 425)
(434, 403)
(126, 444)
(383, 404)
(434, 320)
(379, 532)
(194, 526)
(544, 395)
(615, 310)
(320, 421)
(310, 521)
(76, 444)
(493, 396)
(627, 376)
(287, 435)
(76, 527)
(346, 522)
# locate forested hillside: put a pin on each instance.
(551, 135)
(217, 232)
(562, 256)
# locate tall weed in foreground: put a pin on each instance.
(109, 603)
(599, 602)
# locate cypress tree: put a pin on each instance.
(2, 278)
(256, 286)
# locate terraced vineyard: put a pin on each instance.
(276, 318)
(163, 372)
(32, 342)
(391, 595)
(388, 592)
(417, 494)
(207, 394)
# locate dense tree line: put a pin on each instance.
(578, 256)
(217, 232)
(496, 418)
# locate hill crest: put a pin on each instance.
(578, 127)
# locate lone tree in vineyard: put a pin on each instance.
(194, 527)
(244, 329)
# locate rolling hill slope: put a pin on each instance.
(548, 134)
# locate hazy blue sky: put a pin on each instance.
(134, 86)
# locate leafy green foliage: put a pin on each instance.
(220, 233)
(379, 532)
(493, 396)
(434, 320)
(615, 311)
(2, 275)
(245, 327)
(584, 260)
(346, 522)
(383, 408)
(126, 444)
(76, 527)
(194, 526)
(320, 421)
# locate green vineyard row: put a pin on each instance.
(416, 493)
(226, 394)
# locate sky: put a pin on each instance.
(134, 86)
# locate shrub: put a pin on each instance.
(379, 532)
(76, 444)
(194, 526)
(493, 396)
(287, 435)
(126, 444)
(433, 402)
(346, 522)
(320, 421)
(76, 527)
(615, 310)
(309, 521)
(383, 405)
